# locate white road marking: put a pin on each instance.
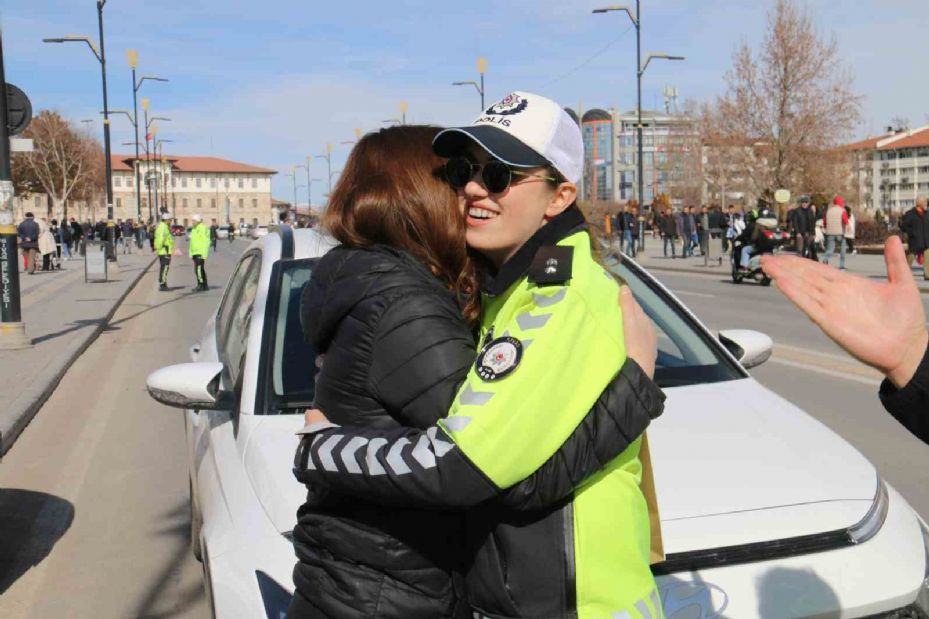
(837, 366)
(694, 294)
(827, 372)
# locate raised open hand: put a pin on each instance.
(880, 324)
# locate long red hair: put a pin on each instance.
(392, 191)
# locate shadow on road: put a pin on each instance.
(149, 308)
(31, 523)
(160, 600)
(74, 326)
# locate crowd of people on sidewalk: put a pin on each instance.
(818, 233)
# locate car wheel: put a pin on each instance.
(196, 523)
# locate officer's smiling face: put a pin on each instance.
(499, 224)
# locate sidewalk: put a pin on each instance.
(653, 259)
(63, 315)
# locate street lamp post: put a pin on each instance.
(481, 69)
(133, 57)
(160, 175)
(328, 157)
(403, 110)
(640, 69)
(108, 164)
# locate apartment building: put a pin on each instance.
(892, 169)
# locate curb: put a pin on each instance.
(923, 289)
(28, 404)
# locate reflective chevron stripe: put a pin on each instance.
(374, 467)
(395, 457)
(348, 454)
(527, 321)
(440, 447)
(325, 453)
(544, 301)
(422, 453)
(456, 423)
(470, 397)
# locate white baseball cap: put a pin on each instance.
(523, 130)
(197, 217)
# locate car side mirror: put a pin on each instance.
(751, 348)
(189, 385)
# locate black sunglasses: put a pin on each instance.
(496, 175)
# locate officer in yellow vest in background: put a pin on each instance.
(199, 250)
(164, 247)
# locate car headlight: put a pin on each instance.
(919, 609)
(275, 598)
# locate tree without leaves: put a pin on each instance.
(792, 101)
(65, 164)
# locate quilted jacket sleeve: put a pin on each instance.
(910, 405)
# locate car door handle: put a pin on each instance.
(195, 350)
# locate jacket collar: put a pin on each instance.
(559, 227)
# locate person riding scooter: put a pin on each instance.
(753, 241)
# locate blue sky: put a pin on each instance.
(270, 82)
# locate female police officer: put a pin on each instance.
(550, 343)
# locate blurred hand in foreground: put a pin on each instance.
(880, 324)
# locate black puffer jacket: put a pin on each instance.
(396, 349)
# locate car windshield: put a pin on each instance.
(687, 355)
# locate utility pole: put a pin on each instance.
(12, 328)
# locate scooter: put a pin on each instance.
(767, 242)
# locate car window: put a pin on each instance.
(293, 364)
(686, 354)
(230, 297)
(240, 314)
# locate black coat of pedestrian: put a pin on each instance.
(803, 220)
(77, 232)
(28, 233)
(396, 349)
(910, 405)
(916, 229)
(667, 225)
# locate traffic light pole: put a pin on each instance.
(12, 329)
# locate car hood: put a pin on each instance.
(735, 463)
(730, 460)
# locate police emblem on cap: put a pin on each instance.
(499, 358)
(511, 104)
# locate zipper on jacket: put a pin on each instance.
(567, 513)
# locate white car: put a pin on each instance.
(257, 232)
(765, 512)
(222, 232)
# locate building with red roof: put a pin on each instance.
(891, 170)
(220, 189)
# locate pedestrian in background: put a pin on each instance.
(834, 224)
(64, 240)
(127, 235)
(915, 227)
(199, 249)
(687, 231)
(850, 231)
(630, 230)
(46, 244)
(214, 234)
(163, 244)
(803, 224)
(667, 225)
(28, 233)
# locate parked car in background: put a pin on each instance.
(222, 232)
(257, 232)
(765, 512)
(177, 230)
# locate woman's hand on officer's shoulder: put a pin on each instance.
(638, 332)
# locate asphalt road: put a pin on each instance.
(808, 369)
(93, 497)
